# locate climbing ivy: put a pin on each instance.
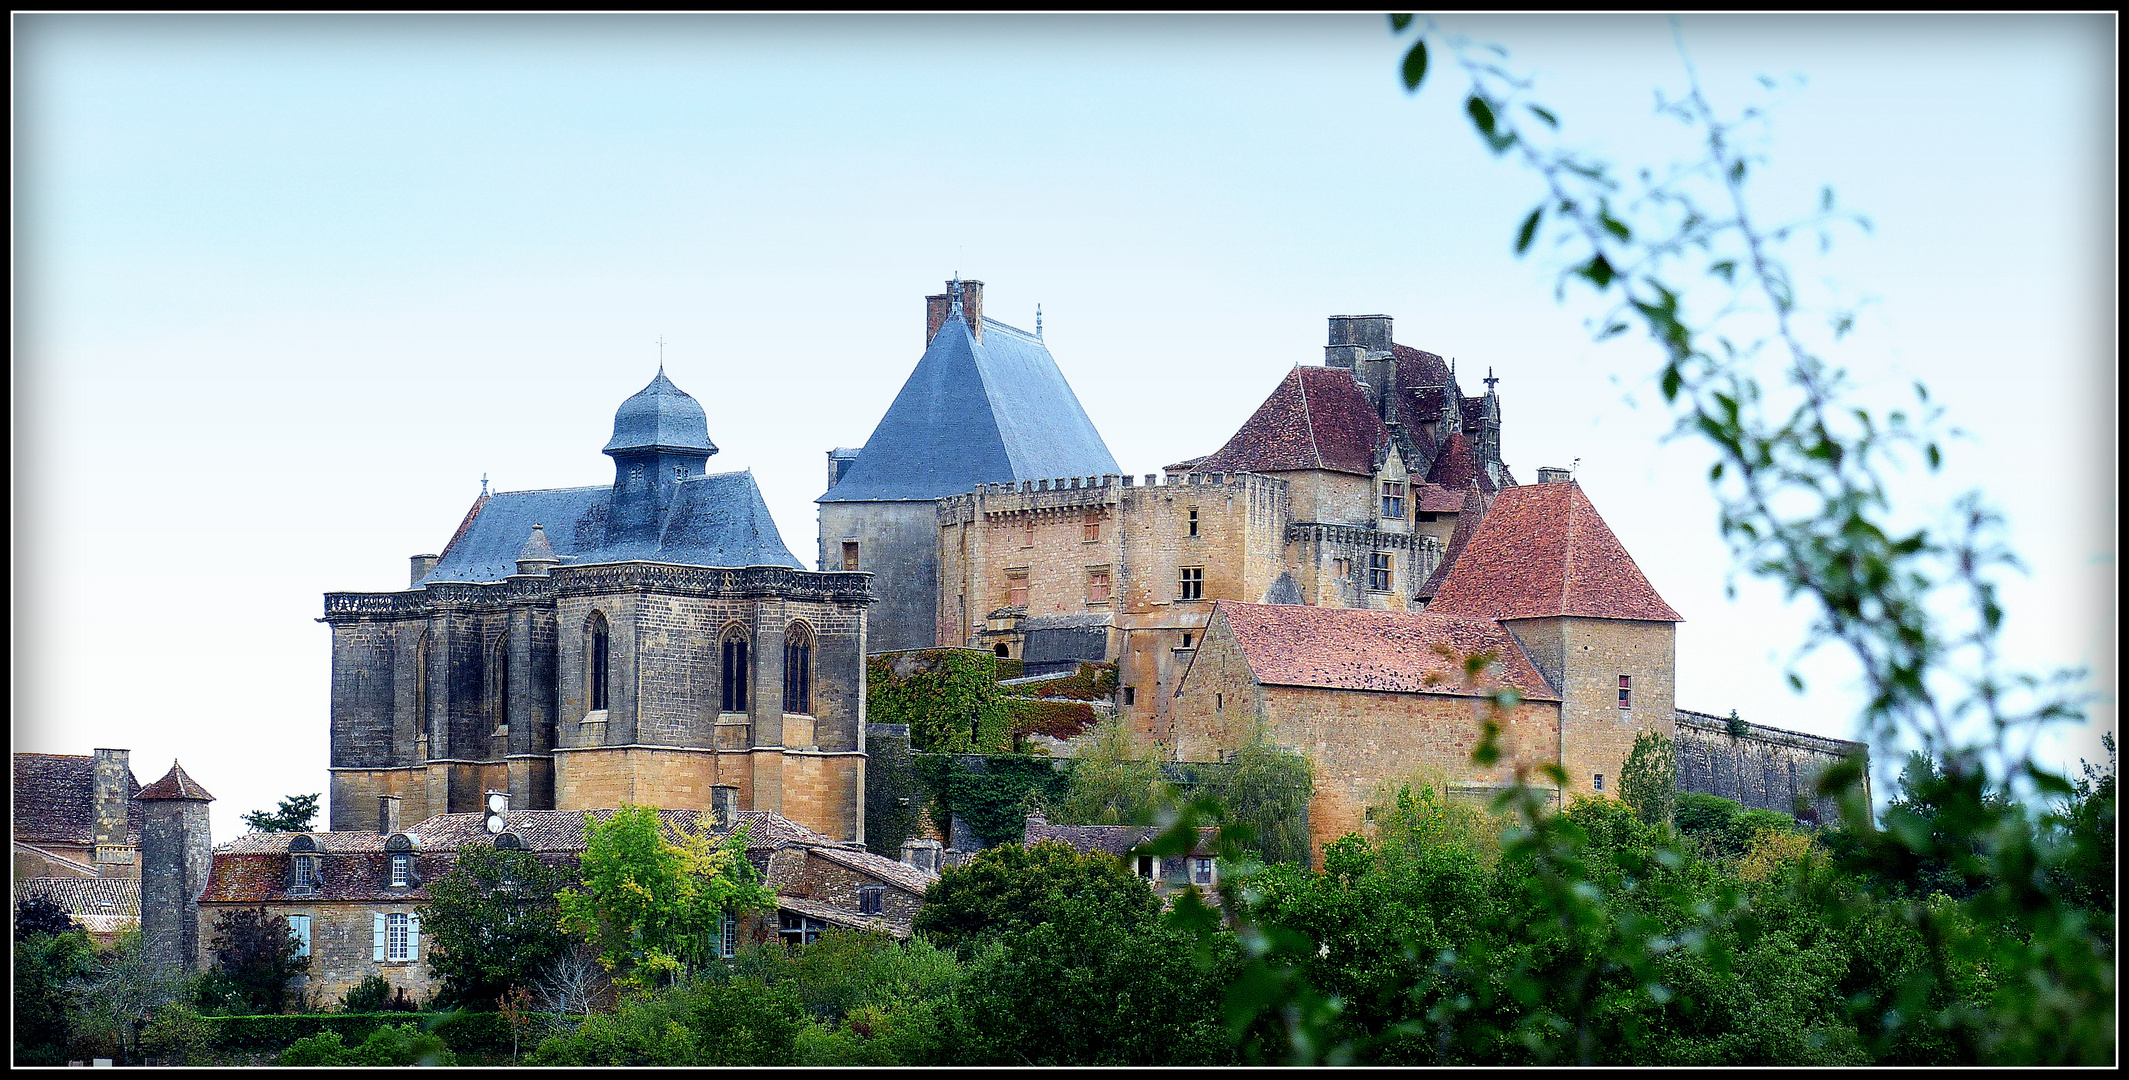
(949, 698)
(1094, 681)
(991, 793)
(1056, 719)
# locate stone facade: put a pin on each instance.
(1584, 659)
(176, 855)
(75, 816)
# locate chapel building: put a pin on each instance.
(648, 642)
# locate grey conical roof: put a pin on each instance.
(661, 415)
(974, 412)
(536, 548)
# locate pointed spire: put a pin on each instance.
(1038, 322)
(953, 290)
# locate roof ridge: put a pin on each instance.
(1307, 420)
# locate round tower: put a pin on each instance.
(176, 851)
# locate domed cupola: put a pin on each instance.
(661, 438)
(661, 416)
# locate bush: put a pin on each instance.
(38, 913)
(180, 1034)
(374, 995)
(737, 1022)
(397, 1044)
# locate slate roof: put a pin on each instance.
(1114, 839)
(718, 519)
(54, 800)
(661, 415)
(976, 412)
(87, 896)
(1316, 418)
(1359, 649)
(1542, 550)
(174, 785)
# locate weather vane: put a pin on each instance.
(661, 352)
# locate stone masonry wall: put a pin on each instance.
(898, 544)
(1763, 768)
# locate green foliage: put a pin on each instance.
(651, 907)
(871, 1000)
(1268, 788)
(179, 1034)
(1012, 888)
(1040, 716)
(38, 913)
(1116, 780)
(950, 699)
(1091, 681)
(993, 801)
(492, 923)
(294, 814)
(1649, 780)
(45, 966)
(375, 994)
(388, 1045)
(690, 1022)
(893, 798)
(254, 949)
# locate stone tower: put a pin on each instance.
(115, 855)
(176, 849)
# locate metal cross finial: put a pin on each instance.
(661, 354)
(484, 483)
(1038, 321)
(1490, 380)
(1572, 466)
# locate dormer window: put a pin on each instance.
(402, 869)
(303, 864)
(1393, 500)
(306, 873)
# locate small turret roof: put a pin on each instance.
(661, 416)
(175, 785)
(536, 548)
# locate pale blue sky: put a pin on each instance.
(286, 287)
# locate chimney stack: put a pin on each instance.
(1552, 475)
(419, 567)
(114, 802)
(387, 814)
(724, 802)
(922, 854)
(936, 307)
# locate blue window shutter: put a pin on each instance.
(377, 936)
(414, 936)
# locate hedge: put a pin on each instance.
(462, 1032)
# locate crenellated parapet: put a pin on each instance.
(1074, 495)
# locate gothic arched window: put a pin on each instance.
(734, 698)
(798, 669)
(601, 651)
(499, 670)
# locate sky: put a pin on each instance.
(288, 288)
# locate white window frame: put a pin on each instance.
(728, 935)
(306, 877)
(1202, 872)
(402, 870)
(398, 937)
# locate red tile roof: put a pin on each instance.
(1469, 514)
(1543, 551)
(175, 785)
(1317, 418)
(1456, 467)
(1435, 499)
(1395, 651)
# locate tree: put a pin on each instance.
(46, 965)
(294, 814)
(119, 993)
(1649, 780)
(1115, 780)
(38, 913)
(1012, 887)
(692, 1021)
(256, 951)
(493, 924)
(1267, 788)
(651, 908)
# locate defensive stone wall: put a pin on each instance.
(1760, 767)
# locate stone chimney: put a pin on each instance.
(1362, 343)
(724, 802)
(419, 567)
(1551, 475)
(921, 853)
(114, 800)
(936, 307)
(387, 814)
(842, 458)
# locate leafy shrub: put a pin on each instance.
(179, 1033)
(38, 913)
(1056, 719)
(950, 699)
(375, 994)
(994, 802)
(398, 1044)
(734, 1022)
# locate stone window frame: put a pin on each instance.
(1382, 571)
(1027, 538)
(304, 870)
(1146, 868)
(872, 899)
(1626, 693)
(1597, 781)
(1130, 694)
(1190, 583)
(797, 929)
(850, 555)
(1090, 528)
(733, 644)
(1203, 872)
(1393, 500)
(799, 639)
(499, 677)
(1193, 521)
(1020, 574)
(1098, 574)
(598, 661)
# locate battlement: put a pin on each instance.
(1081, 493)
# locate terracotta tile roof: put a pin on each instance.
(87, 896)
(175, 785)
(1456, 467)
(1468, 517)
(1357, 649)
(54, 800)
(563, 830)
(1114, 839)
(1317, 418)
(1542, 551)
(1418, 368)
(1435, 499)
